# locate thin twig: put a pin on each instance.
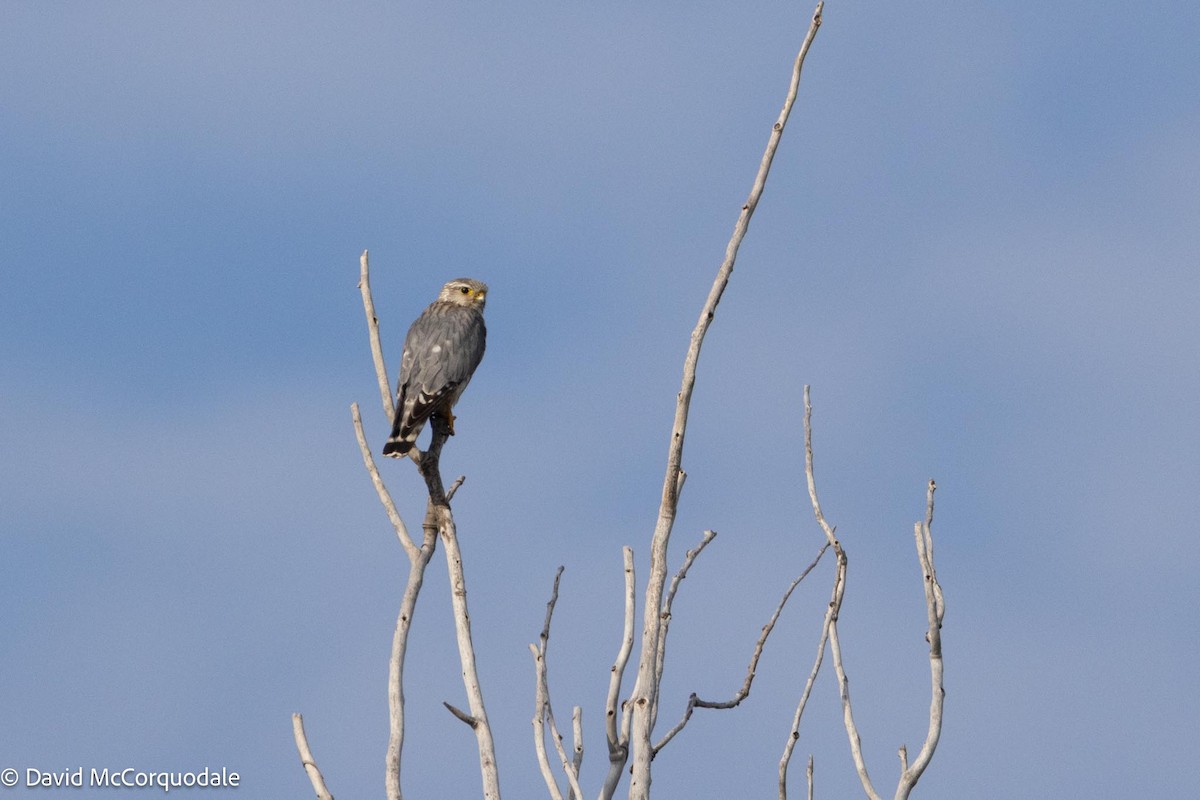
(809, 775)
(306, 759)
(385, 386)
(742, 693)
(645, 688)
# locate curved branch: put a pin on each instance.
(835, 606)
(694, 700)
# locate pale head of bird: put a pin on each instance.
(465, 292)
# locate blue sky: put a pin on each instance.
(978, 245)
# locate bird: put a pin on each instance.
(441, 351)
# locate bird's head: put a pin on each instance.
(465, 292)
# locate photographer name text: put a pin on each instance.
(126, 778)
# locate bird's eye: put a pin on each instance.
(464, 289)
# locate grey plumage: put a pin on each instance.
(441, 351)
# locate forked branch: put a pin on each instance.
(910, 774)
(543, 716)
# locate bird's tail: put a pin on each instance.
(397, 447)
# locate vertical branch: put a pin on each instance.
(665, 616)
(306, 759)
(935, 611)
(540, 703)
(418, 557)
(544, 713)
(618, 738)
(835, 606)
(408, 604)
(645, 688)
(440, 519)
(577, 739)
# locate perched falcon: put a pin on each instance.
(441, 352)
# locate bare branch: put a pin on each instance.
(545, 635)
(544, 715)
(689, 558)
(439, 522)
(809, 474)
(809, 774)
(453, 490)
(618, 742)
(418, 557)
(540, 702)
(557, 739)
(577, 739)
(385, 386)
(466, 652)
(794, 736)
(935, 610)
(306, 759)
(645, 688)
(463, 716)
(418, 561)
(695, 702)
(385, 496)
(835, 608)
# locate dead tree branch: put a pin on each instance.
(694, 701)
(618, 737)
(645, 689)
(829, 632)
(439, 522)
(688, 560)
(543, 717)
(306, 759)
(936, 610)
(381, 373)
(835, 606)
